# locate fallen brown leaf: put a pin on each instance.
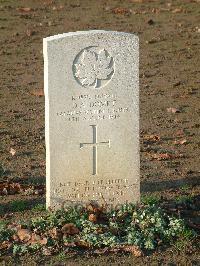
(82, 243)
(151, 22)
(39, 191)
(12, 151)
(102, 250)
(24, 9)
(57, 7)
(5, 245)
(46, 251)
(151, 137)
(94, 208)
(48, 2)
(30, 32)
(177, 10)
(14, 226)
(14, 188)
(9, 188)
(8, 215)
(69, 229)
(43, 241)
(37, 92)
(166, 156)
(135, 250)
(181, 142)
(155, 10)
(173, 110)
(137, 1)
(121, 11)
(37, 239)
(24, 235)
(154, 40)
(5, 191)
(92, 218)
(55, 233)
(15, 237)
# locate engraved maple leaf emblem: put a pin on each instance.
(93, 67)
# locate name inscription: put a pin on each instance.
(96, 107)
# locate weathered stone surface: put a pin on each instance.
(92, 117)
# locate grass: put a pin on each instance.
(2, 170)
(18, 205)
(39, 208)
(150, 199)
(62, 256)
(184, 199)
(186, 188)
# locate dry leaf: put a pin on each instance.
(8, 215)
(46, 251)
(57, 7)
(9, 188)
(48, 2)
(151, 137)
(135, 250)
(37, 239)
(14, 188)
(91, 207)
(82, 243)
(150, 22)
(94, 208)
(39, 191)
(75, 5)
(30, 32)
(173, 110)
(102, 250)
(14, 226)
(121, 11)
(12, 151)
(5, 245)
(137, 1)
(24, 235)
(24, 9)
(181, 142)
(15, 237)
(166, 156)
(55, 233)
(69, 229)
(154, 40)
(177, 10)
(37, 92)
(92, 218)
(155, 10)
(161, 156)
(43, 241)
(5, 191)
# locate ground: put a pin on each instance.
(169, 34)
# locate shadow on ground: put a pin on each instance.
(153, 186)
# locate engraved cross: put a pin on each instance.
(94, 145)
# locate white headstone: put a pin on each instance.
(92, 117)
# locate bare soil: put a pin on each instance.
(169, 33)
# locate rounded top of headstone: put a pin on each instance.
(89, 32)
